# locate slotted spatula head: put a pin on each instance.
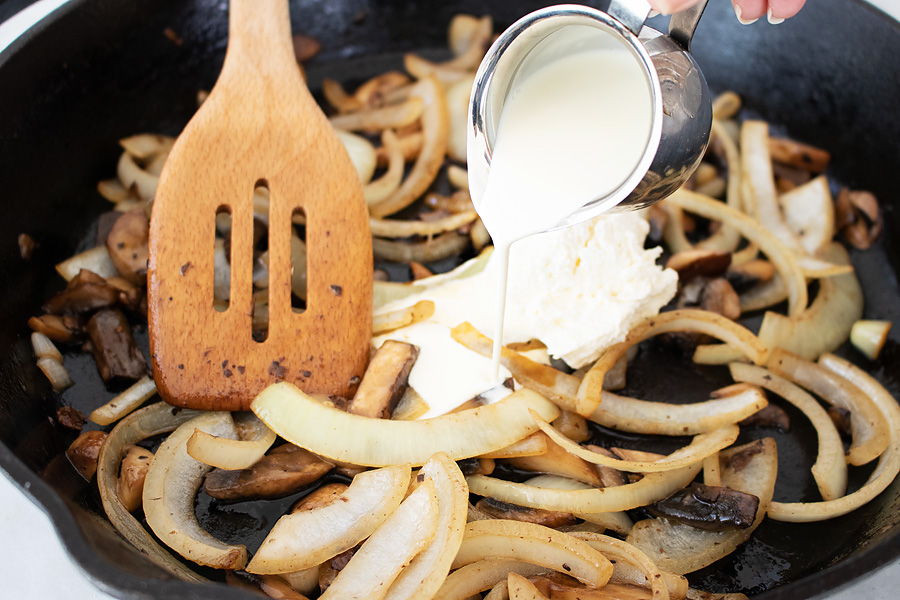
(259, 126)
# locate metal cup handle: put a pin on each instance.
(633, 13)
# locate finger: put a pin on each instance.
(779, 10)
(668, 7)
(748, 11)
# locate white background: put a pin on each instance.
(36, 566)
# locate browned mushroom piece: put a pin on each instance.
(330, 568)
(771, 415)
(84, 452)
(698, 262)
(858, 218)
(70, 417)
(57, 328)
(283, 471)
(127, 245)
(26, 246)
(709, 507)
(719, 297)
(323, 496)
(130, 296)
(305, 47)
(130, 485)
(384, 381)
(476, 466)
(557, 461)
(86, 292)
(277, 588)
(609, 477)
(799, 155)
(497, 509)
(117, 356)
(747, 275)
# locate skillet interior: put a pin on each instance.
(97, 71)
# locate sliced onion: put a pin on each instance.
(534, 445)
(435, 131)
(885, 471)
(727, 238)
(727, 406)
(830, 468)
(866, 336)
(620, 552)
(113, 190)
(389, 291)
(338, 97)
(377, 119)
(420, 67)
(393, 546)
(231, 454)
(169, 491)
(652, 487)
(306, 422)
(809, 212)
(134, 177)
(591, 389)
(373, 91)
(482, 575)
(535, 544)
(379, 189)
(681, 548)
(712, 468)
(148, 422)
(763, 295)
(519, 588)
(96, 260)
(457, 95)
(146, 145)
(129, 400)
(392, 228)
(411, 406)
(425, 574)
(410, 146)
(458, 177)
(726, 105)
(781, 256)
(44, 348)
(55, 372)
(616, 521)
(361, 152)
(401, 317)
(868, 426)
(308, 538)
(700, 447)
(447, 244)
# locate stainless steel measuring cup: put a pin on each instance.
(680, 98)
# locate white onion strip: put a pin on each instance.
(129, 400)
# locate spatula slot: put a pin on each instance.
(261, 264)
(299, 266)
(222, 260)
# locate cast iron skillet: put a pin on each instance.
(99, 70)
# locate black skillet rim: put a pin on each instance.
(115, 581)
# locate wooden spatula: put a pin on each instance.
(259, 127)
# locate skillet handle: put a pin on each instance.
(683, 24)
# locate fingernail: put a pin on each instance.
(773, 20)
(737, 12)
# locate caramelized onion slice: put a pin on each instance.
(401, 317)
(443, 246)
(231, 454)
(591, 388)
(781, 256)
(335, 434)
(535, 544)
(376, 119)
(457, 95)
(395, 228)
(869, 427)
(728, 406)
(680, 548)
(435, 131)
(387, 184)
(616, 521)
(727, 238)
(652, 487)
(425, 574)
(620, 551)
(96, 260)
(885, 471)
(145, 423)
(381, 558)
(519, 588)
(128, 401)
(169, 491)
(534, 445)
(830, 468)
(700, 447)
(308, 538)
(482, 575)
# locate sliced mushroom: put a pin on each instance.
(840, 416)
(130, 485)
(557, 461)
(609, 477)
(323, 496)
(117, 356)
(385, 380)
(797, 154)
(57, 328)
(86, 292)
(858, 217)
(719, 297)
(127, 245)
(329, 569)
(771, 415)
(709, 507)
(497, 509)
(283, 471)
(693, 263)
(70, 417)
(84, 452)
(476, 466)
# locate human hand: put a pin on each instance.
(747, 11)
